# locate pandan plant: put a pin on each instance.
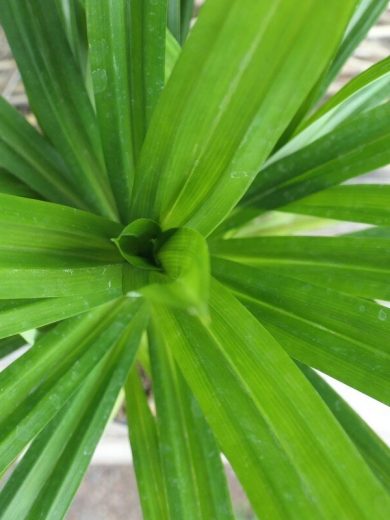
(158, 226)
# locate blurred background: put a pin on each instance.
(109, 489)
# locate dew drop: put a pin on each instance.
(99, 77)
(382, 315)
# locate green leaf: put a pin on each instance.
(9, 345)
(174, 18)
(172, 51)
(48, 476)
(357, 203)
(39, 383)
(373, 449)
(57, 95)
(358, 266)
(36, 281)
(367, 90)
(205, 145)
(37, 224)
(147, 29)
(365, 16)
(145, 449)
(49, 250)
(22, 315)
(373, 232)
(191, 464)
(357, 146)
(186, 12)
(344, 336)
(108, 36)
(29, 157)
(10, 185)
(74, 20)
(269, 422)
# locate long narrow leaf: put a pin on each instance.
(359, 145)
(57, 95)
(367, 90)
(10, 185)
(358, 266)
(356, 203)
(246, 383)
(145, 449)
(148, 22)
(22, 315)
(365, 16)
(30, 158)
(9, 345)
(108, 36)
(344, 336)
(45, 481)
(195, 483)
(51, 372)
(200, 145)
(373, 449)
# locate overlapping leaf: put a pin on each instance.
(57, 95)
(216, 123)
(45, 481)
(268, 421)
(357, 266)
(344, 336)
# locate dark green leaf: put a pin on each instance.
(29, 157)
(145, 449)
(39, 383)
(357, 146)
(57, 95)
(22, 315)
